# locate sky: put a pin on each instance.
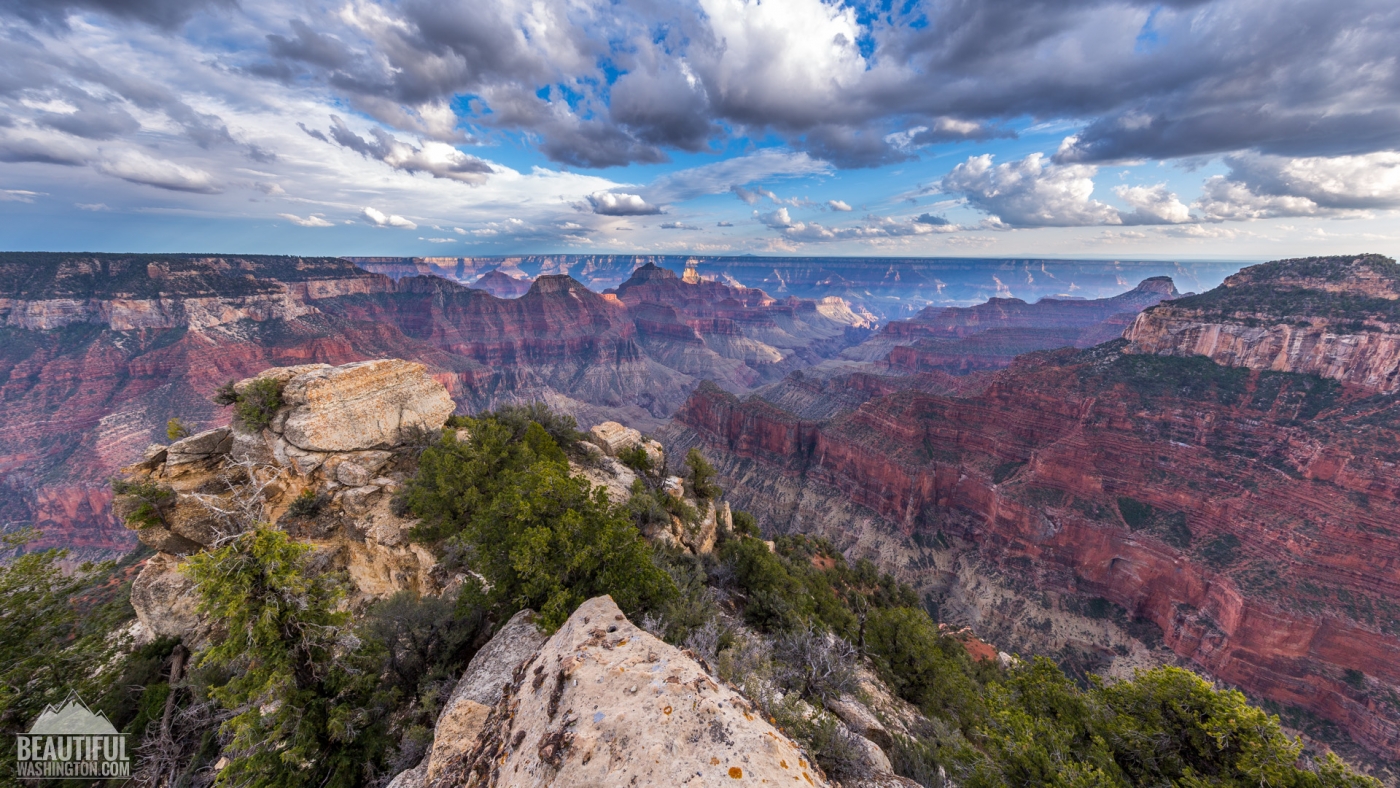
(1194, 129)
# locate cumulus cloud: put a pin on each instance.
(1152, 205)
(838, 205)
(621, 204)
(678, 226)
(380, 219)
(314, 220)
(1261, 187)
(435, 158)
(1031, 192)
(931, 220)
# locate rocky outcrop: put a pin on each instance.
(204, 489)
(603, 702)
(1338, 317)
(491, 670)
(362, 406)
(1243, 514)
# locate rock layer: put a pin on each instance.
(1338, 317)
(1251, 516)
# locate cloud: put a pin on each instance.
(733, 174)
(1262, 187)
(137, 167)
(380, 219)
(621, 204)
(872, 227)
(724, 224)
(160, 13)
(92, 206)
(18, 195)
(436, 158)
(1030, 192)
(678, 226)
(931, 220)
(838, 205)
(1152, 205)
(777, 220)
(314, 220)
(45, 151)
(438, 240)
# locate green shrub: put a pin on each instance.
(147, 501)
(637, 459)
(308, 504)
(258, 404)
(503, 503)
(176, 428)
(701, 482)
(1222, 551)
(300, 690)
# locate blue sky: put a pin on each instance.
(927, 127)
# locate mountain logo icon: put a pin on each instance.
(71, 741)
(73, 717)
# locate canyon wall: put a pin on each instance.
(1259, 536)
(1334, 317)
(99, 351)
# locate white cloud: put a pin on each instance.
(380, 219)
(314, 220)
(724, 176)
(92, 206)
(438, 240)
(621, 204)
(1152, 205)
(777, 220)
(678, 226)
(838, 205)
(1031, 192)
(1262, 187)
(18, 195)
(137, 167)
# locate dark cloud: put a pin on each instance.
(308, 46)
(930, 219)
(93, 120)
(167, 14)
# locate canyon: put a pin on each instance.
(100, 351)
(886, 287)
(1130, 503)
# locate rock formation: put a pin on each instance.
(601, 702)
(1338, 317)
(988, 336)
(100, 351)
(324, 470)
(1244, 518)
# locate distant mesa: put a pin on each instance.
(501, 285)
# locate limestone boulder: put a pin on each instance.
(480, 688)
(615, 438)
(201, 446)
(164, 600)
(365, 405)
(605, 703)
